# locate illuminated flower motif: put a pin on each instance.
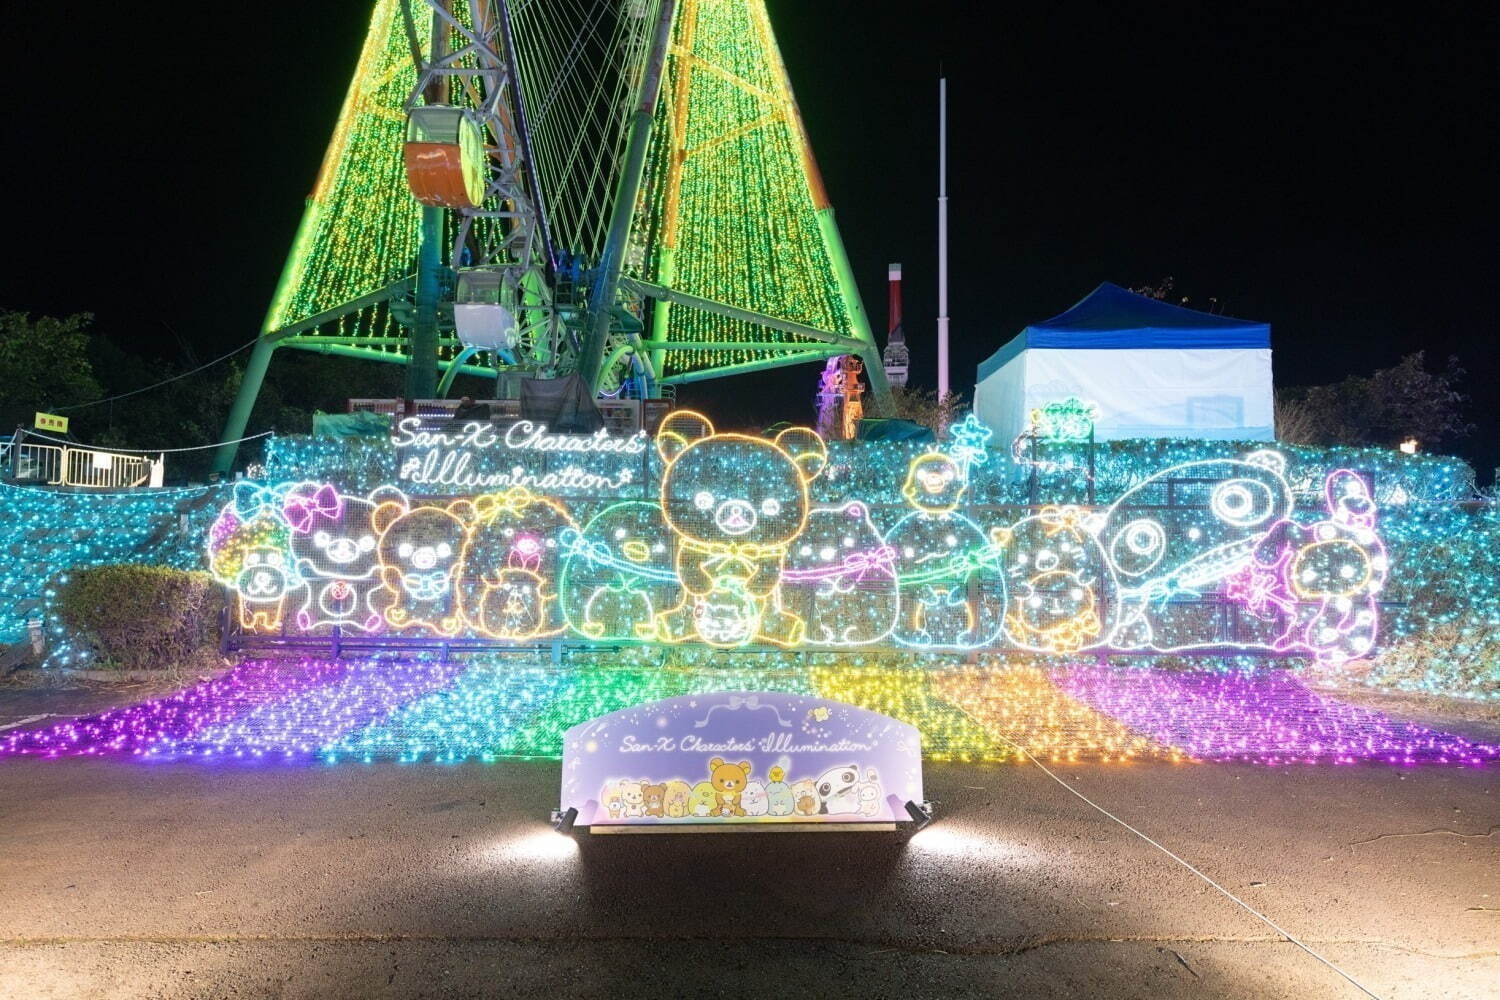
(819, 714)
(1064, 420)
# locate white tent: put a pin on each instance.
(1152, 370)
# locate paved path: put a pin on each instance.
(119, 878)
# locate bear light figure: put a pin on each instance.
(735, 503)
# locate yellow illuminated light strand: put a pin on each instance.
(907, 694)
(362, 227)
(746, 224)
(1023, 706)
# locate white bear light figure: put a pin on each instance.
(333, 540)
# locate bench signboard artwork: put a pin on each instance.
(741, 757)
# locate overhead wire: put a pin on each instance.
(157, 385)
(146, 451)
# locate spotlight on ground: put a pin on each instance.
(563, 822)
(538, 847)
(920, 813)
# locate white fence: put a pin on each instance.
(88, 468)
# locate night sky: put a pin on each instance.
(1332, 174)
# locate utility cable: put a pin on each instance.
(145, 451)
(157, 385)
(1231, 896)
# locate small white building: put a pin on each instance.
(1152, 370)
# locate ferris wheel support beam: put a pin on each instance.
(663, 294)
(880, 386)
(833, 241)
(612, 260)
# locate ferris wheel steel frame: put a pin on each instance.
(606, 331)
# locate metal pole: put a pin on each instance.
(260, 357)
(421, 367)
(942, 323)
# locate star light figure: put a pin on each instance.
(969, 438)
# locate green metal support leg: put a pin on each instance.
(244, 402)
(612, 260)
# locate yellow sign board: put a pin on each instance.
(51, 422)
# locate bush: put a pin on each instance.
(141, 617)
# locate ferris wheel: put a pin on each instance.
(620, 190)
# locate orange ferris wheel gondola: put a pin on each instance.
(445, 157)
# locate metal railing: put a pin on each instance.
(40, 464)
(90, 469)
(56, 464)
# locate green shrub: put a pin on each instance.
(141, 617)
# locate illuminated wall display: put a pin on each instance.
(741, 757)
(727, 548)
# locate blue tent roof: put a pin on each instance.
(1115, 318)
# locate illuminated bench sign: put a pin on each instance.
(736, 758)
(478, 457)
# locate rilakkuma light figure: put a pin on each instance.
(735, 503)
(419, 551)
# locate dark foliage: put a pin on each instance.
(141, 617)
